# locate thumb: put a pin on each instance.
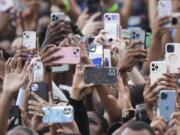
(112, 98)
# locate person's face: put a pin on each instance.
(129, 131)
(94, 124)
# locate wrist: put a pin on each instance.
(75, 94)
(7, 95)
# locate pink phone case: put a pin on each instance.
(71, 55)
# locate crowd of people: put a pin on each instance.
(66, 70)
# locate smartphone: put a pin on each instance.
(70, 55)
(175, 20)
(107, 58)
(100, 75)
(148, 40)
(157, 69)
(59, 16)
(172, 57)
(58, 114)
(166, 103)
(40, 88)
(29, 39)
(165, 9)
(112, 25)
(38, 71)
(5, 5)
(16, 113)
(138, 35)
(96, 54)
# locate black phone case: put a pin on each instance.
(41, 90)
(100, 75)
(16, 113)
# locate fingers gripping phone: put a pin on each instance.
(70, 55)
(157, 69)
(29, 39)
(100, 75)
(172, 57)
(167, 103)
(41, 89)
(58, 114)
(112, 25)
(16, 113)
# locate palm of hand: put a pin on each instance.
(13, 81)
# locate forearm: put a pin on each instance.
(136, 77)
(126, 11)
(152, 6)
(113, 111)
(5, 103)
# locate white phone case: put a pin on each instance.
(29, 39)
(165, 9)
(157, 68)
(58, 114)
(112, 25)
(38, 71)
(172, 57)
(166, 104)
(138, 35)
(58, 16)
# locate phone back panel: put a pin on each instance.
(41, 89)
(167, 103)
(70, 55)
(157, 69)
(100, 75)
(112, 25)
(29, 39)
(138, 35)
(172, 57)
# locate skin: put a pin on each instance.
(128, 131)
(94, 124)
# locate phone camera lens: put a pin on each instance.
(24, 33)
(109, 18)
(174, 21)
(156, 67)
(111, 39)
(106, 16)
(133, 37)
(170, 48)
(137, 35)
(153, 65)
(56, 18)
(74, 52)
(153, 69)
(164, 96)
(34, 87)
(77, 50)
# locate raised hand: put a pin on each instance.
(15, 75)
(79, 85)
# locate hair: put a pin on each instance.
(137, 126)
(28, 131)
(104, 123)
